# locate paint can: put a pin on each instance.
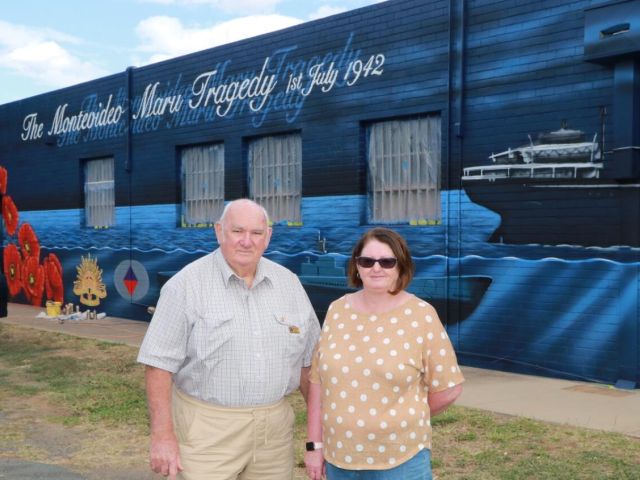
(53, 308)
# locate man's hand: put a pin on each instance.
(164, 457)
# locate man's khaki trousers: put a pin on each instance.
(220, 443)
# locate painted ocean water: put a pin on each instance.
(565, 310)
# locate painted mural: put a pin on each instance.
(23, 271)
(281, 84)
(534, 262)
(562, 172)
(89, 286)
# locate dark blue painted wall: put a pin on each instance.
(563, 260)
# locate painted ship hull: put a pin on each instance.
(552, 192)
(556, 212)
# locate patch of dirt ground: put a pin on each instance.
(30, 432)
(34, 435)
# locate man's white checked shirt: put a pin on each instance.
(228, 344)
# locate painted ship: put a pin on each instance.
(553, 191)
(454, 297)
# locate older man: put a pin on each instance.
(232, 334)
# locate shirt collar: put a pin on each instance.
(227, 272)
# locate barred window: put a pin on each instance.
(202, 184)
(404, 170)
(275, 169)
(99, 195)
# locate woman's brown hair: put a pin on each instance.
(400, 250)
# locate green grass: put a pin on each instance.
(95, 381)
(101, 384)
(476, 445)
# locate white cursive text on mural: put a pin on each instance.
(212, 94)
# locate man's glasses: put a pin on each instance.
(368, 262)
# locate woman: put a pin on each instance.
(383, 367)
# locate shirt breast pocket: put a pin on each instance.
(213, 338)
(292, 333)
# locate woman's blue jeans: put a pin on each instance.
(418, 468)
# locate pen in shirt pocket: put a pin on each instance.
(282, 319)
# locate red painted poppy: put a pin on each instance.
(13, 269)
(29, 243)
(53, 278)
(3, 180)
(10, 215)
(33, 280)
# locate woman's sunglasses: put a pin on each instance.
(368, 262)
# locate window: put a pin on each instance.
(99, 195)
(202, 184)
(275, 169)
(404, 170)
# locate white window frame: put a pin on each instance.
(202, 180)
(404, 163)
(99, 192)
(275, 176)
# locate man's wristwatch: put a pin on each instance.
(313, 446)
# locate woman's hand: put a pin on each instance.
(440, 401)
(314, 463)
